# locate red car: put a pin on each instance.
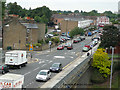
(60, 47)
(70, 46)
(88, 46)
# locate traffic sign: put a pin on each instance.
(50, 42)
(31, 47)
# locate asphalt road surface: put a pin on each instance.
(44, 59)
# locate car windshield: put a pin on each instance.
(60, 46)
(55, 65)
(85, 48)
(42, 73)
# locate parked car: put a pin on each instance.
(43, 75)
(88, 46)
(60, 47)
(70, 46)
(76, 40)
(82, 38)
(85, 49)
(56, 67)
(4, 68)
(66, 44)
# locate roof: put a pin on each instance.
(16, 51)
(10, 76)
(30, 25)
(44, 70)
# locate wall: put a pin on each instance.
(13, 33)
(67, 26)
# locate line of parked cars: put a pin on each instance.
(69, 46)
(89, 46)
(78, 39)
(45, 75)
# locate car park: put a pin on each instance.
(4, 68)
(43, 75)
(60, 47)
(70, 46)
(85, 49)
(56, 67)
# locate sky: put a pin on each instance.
(84, 5)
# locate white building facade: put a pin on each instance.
(103, 20)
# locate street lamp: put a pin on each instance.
(111, 65)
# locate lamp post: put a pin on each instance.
(111, 65)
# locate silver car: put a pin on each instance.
(43, 75)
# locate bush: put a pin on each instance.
(27, 45)
(56, 40)
(96, 77)
(41, 41)
(38, 44)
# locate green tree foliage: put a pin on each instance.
(110, 36)
(101, 62)
(3, 8)
(76, 11)
(76, 31)
(14, 8)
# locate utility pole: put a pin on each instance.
(111, 65)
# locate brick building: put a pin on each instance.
(17, 33)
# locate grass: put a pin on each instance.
(114, 56)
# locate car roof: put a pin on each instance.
(56, 63)
(44, 70)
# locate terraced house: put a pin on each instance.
(18, 32)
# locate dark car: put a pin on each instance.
(70, 46)
(4, 68)
(56, 67)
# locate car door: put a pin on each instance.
(48, 75)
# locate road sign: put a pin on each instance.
(31, 47)
(50, 43)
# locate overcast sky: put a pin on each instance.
(85, 5)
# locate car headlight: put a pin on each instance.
(56, 68)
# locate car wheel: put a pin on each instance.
(3, 72)
(19, 67)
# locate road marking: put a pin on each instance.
(50, 61)
(47, 60)
(59, 56)
(43, 65)
(27, 73)
(47, 55)
(71, 57)
(70, 63)
(65, 53)
(36, 69)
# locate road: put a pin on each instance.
(44, 59)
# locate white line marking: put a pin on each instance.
(50, 61)
(59, 57)
(43, 65)
(36, 69)
(71, 57)
(27, 73)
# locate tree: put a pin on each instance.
(110, 36)
(101, 62)
(76, 11)
(14, 8)
(76, 31)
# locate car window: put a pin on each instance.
(43, 73)
(55, 65)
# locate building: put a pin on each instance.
(17, 33)
(103, 20)
(70, 23)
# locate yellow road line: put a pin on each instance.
(69, 63)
